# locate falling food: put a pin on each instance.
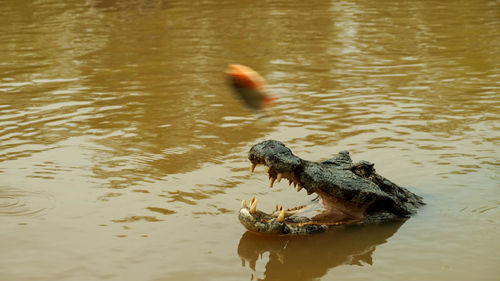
(249, 87)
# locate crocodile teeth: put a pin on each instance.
(276, 208)
(253, 207)
(243, 203)
(267, 169)
(299, 188)
(251, 200)
(289, 182)
(278, 178)
(271, 182)
(281, 216)
(252, 167)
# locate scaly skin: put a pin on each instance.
(349, 193)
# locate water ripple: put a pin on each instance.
(17, 202)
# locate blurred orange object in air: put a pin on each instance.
(249, 86)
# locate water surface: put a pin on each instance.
(123, 151)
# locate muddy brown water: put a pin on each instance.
(123, 152)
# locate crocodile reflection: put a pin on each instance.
(311, 257)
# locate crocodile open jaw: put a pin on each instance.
(322, 213)
(347, 193)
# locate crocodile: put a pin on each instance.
(348, 193)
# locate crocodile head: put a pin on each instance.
(347, 193)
